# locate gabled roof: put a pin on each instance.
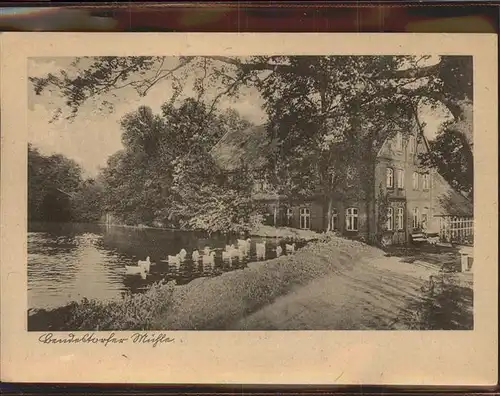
(250, 147)
(446, 201)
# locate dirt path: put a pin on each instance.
(368, 296)
(330, 285)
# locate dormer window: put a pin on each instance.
(399, 141)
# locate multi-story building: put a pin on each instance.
(407, 198)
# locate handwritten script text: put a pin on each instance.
(153, 339)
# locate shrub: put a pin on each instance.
(132, 312)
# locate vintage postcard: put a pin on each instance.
(249, 208)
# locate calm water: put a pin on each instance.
(67, 262)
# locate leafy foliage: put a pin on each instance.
(328, 139)
(452, 157)
(327, 114)
(133, 312)
(166, 173)
(449, 81)
(57, 190)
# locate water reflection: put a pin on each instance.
(67, 262)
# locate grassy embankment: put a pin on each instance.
(332, 283)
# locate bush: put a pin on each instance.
(133, 312)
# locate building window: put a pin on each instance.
(415, 180)
(399, 142)
(425, 181)
(400, 219)
(305, 219)
(416, 218)
(289, 216)
(351, 219)
(401, 178)
(390, 218)
(411, 144)
(389, 178)
(334, 220)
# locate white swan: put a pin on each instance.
(279, 251)
(195, 256)
(134, 270)
(174, 260)
(261, 249)
(145, 264)
(244, 245)
(290, 248)
(236, 253)
(210, 259)
(183, 254)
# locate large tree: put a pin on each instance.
(329, 122)
(326, 113)
(448, 81)
(57, 190)
(165, 172)
(453, 159)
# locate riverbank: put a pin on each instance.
(330, 284)
(265, 231)
(285, 233)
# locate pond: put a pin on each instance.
(67, 262)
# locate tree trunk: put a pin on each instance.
(329, 214)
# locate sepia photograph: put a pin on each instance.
(249, 208)
(250, 193)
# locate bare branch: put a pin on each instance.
(414, 73)
(167, 73)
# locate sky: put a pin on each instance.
(93, 136)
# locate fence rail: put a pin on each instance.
(456, 229)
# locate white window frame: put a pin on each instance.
(289, 216)
(415, 179)
(389, 178)
(351, 217)
(305, 219)
(400, 178)
(425, 181)
(334, 220)
(412, 144)
(399, 142)
(400, 219)
(390, 219)
(416, 218)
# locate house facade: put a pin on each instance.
(407, 198)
